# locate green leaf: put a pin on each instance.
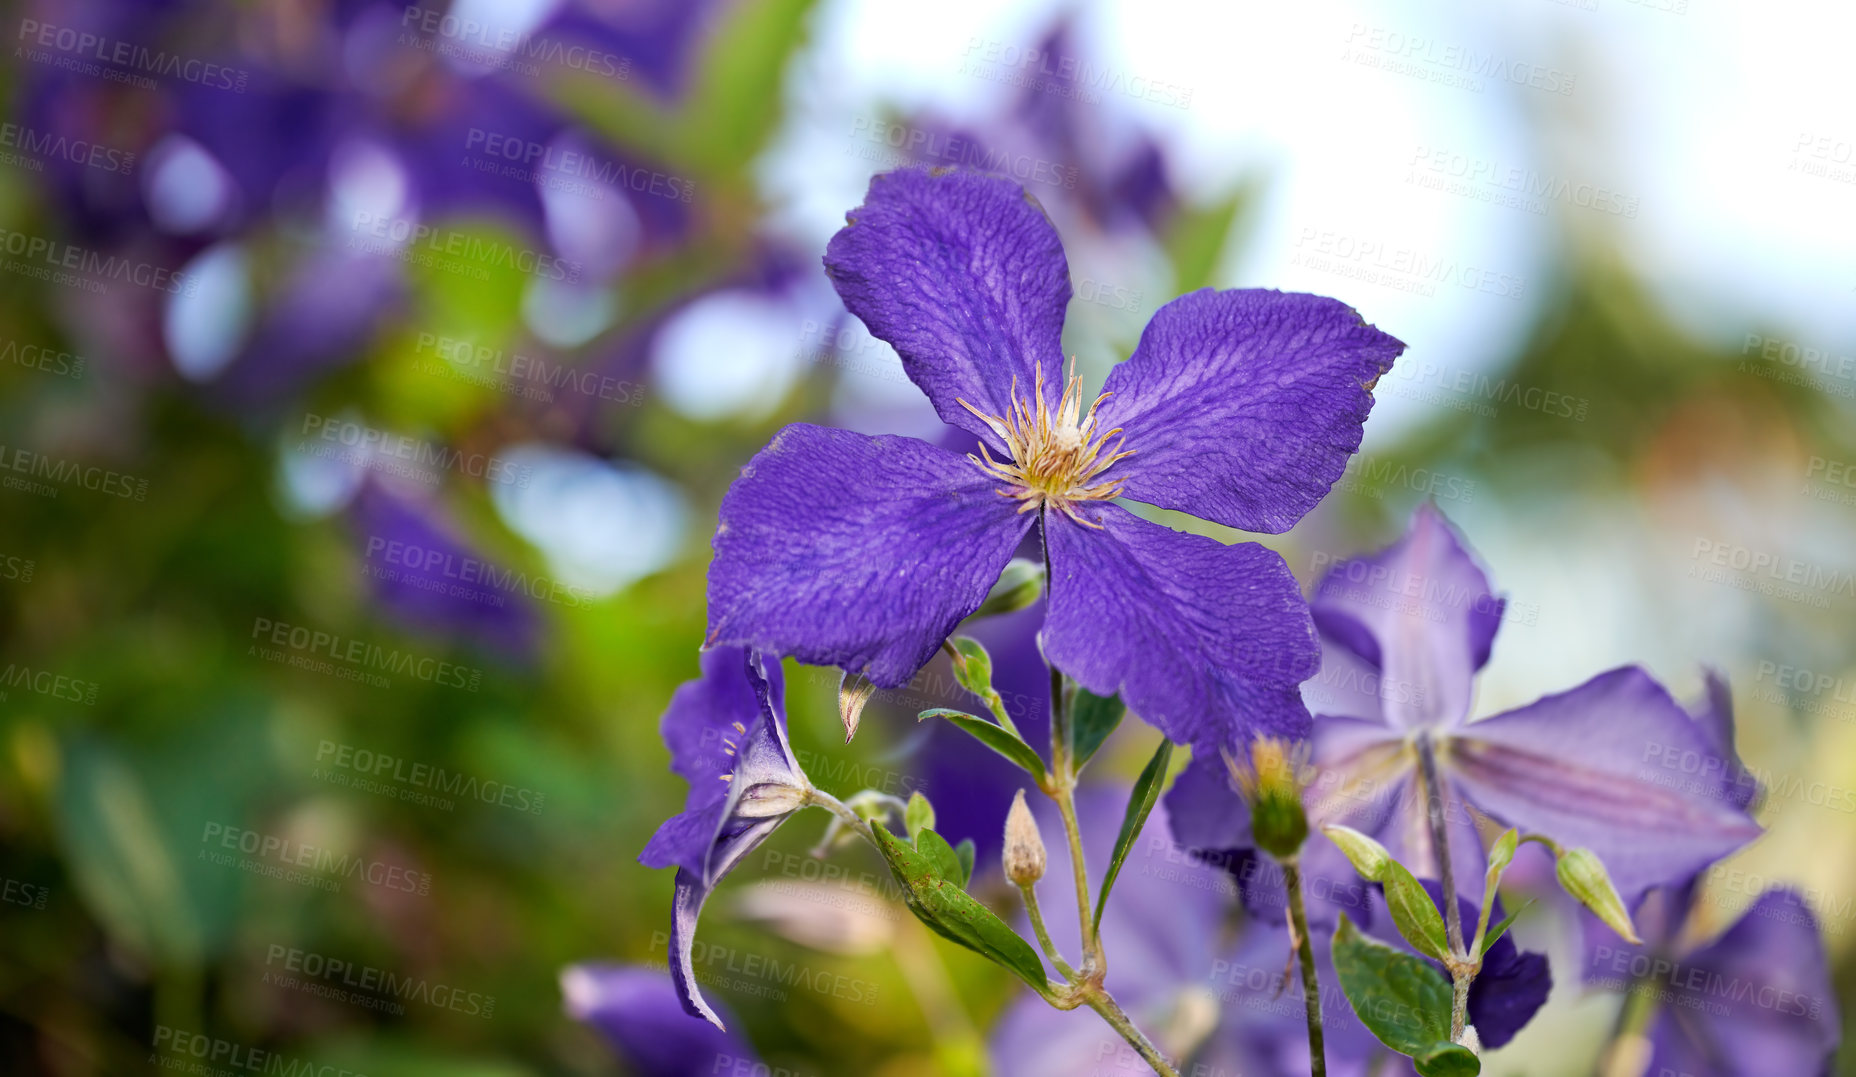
(1446, 1059)
(1414, 912)
(735, 103)
(1400, 998)
(1005, 742)
(919, 815)
(1092, 719)
(965, 852)
(1140, 804)
(941, 855)
(941, 904)
(1501, 928)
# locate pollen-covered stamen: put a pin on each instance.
(1055, 457)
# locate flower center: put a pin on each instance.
(1057, 456)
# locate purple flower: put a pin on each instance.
(1758, 999)
(1600, 766)
(1239, 406)
(639, 1011)
(727, 737)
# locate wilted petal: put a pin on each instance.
(859, 552)
(964, 275)
(1243, 406)
(1205, 641)
(640, 1012)
(1420, 611)
(1584, 767)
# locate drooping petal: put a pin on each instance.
(726, 731)
(685, 910)
(859, 552)
(1243, 406)
(1421, 612)
(640, 1012)
(1584, 768)
(1714, 720)
(1205, 641)
(964, 275)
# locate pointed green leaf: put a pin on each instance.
(1140, 803)
(1400, 998)
(1414, 913)
(1196, 239)
(999, 740)
(735, 103)
(1502, 927)
(937, 901)
(1092, 719)
(919, 815)
(1446, 1059)
(965, 852)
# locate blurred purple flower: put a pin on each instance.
(727, 736)
(1757, 999)
(1242, 406)
(426, 576)
(1403, 633)
(640, 1013)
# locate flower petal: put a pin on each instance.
(1587, 768)
(964, 275)
(1420, 611)
(1205, 641)
(640, 1013)
(860, 552)
(1243, 406)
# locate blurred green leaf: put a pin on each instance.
(919, 815)
(1005, 743)
(1501, 927)
(1092, 719)
(1446, 1059)
(733, 108)
(1196, 239)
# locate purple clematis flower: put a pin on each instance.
(727, 736)
(1758, 999)
(639, 1011)
(1403, 633)
(1241, 407)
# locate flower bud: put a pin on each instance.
(1272, 785)
(1020, 584)
(1369, 858)
(1024, 846)
(854, 690)
(1583, 875)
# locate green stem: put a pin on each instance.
(1305, 951)
(1098, 999)
(1063, 791)
(1037, 925)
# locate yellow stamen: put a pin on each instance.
(1054, 457)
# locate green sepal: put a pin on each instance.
(939, 902)
(1140, 805)
(1003, 741)
(1401, 998)
(1092, 719)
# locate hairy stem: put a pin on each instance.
(1037, 925)
(1305, 952)
(1463, 967)
(1098, 999)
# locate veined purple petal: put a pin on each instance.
(1586, 768)
(1420, 611)
(964, 275)
(1243, 406)
(860, 552)
(1205, 641)
(640, 1013)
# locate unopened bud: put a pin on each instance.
(1583, 875)
(1369, 858)
(1024, 846)
(1020, 585)
(854, 690)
